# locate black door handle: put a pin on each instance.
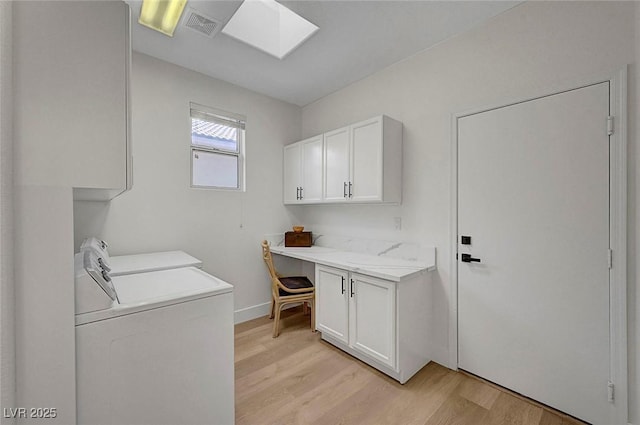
(467, 258)
(343, 284)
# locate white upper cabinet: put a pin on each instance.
(71, 95)
(303, 171)
(312, 170)
(375, 161)
(292, 166)
(367, 167)
(361, 163)
(336, 169)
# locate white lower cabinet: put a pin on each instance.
(372, 328)
(332, 303)
(381, 322)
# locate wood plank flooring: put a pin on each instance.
(299, 379)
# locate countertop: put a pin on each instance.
(377, 266)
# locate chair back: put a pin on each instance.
(266, 256)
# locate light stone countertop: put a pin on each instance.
(377, 266)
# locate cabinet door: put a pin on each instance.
(336, 168)
(366, 160)
(312, 169)
(373, 318)
(332, 302)
(70, 93)
(291, 173)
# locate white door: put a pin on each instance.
(292, 177)
(336, 168)
(332, 302)
(366, 160)
(533, 195)
(312, 169)
(373, 312)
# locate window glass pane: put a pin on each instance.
(214, 135)
(214, 169)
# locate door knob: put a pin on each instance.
(467, 258)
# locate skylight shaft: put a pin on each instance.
(269, 26)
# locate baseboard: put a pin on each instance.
(260, 310)
(250, 313)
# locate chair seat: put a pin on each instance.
(294, 282)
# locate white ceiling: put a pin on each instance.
(356, 39)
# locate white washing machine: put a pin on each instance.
(154, 347)
(128, 264)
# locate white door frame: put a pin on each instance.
(617, 232)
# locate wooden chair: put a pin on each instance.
(287, 290)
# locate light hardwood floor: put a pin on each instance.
(299, 379)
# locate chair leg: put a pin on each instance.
(273, 303)
(305, 308)
(276, 322)
(313, 315)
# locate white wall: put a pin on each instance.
(527, 51)
(161, 212)
(45, 320)
(7, 295)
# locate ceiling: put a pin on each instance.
(356, 39)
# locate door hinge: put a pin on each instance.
(611, 395)
(610, 258)
(609, 125)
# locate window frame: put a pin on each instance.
(230, 119)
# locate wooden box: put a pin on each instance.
(298, 239)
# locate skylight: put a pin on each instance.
(269, 26)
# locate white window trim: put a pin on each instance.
(227, 118)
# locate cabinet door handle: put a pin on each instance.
(344, 189)
(350, 194)
(343, 285)
(297, 193)
(301, 192)
(352, 288)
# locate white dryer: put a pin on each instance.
(128, 264)
(154, 347)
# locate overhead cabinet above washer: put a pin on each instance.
(71, 91)
(360, 163)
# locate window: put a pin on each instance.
(217, 145)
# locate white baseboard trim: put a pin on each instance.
(255, 311)
(250, 313)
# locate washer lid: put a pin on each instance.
(165, 284)
(128, 264)
(146, 291)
